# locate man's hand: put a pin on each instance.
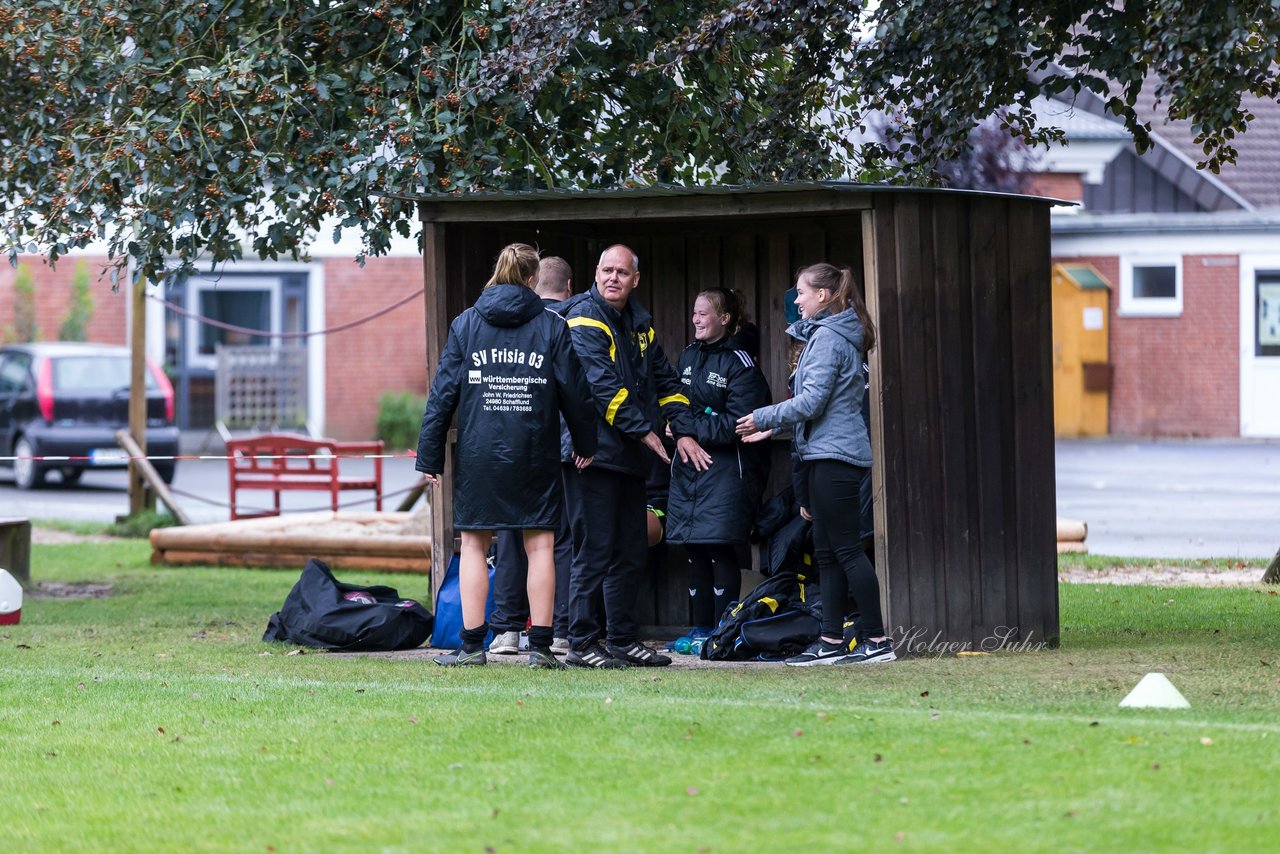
(691, 453)
(582, 462)
(433, 479)
(651, 441)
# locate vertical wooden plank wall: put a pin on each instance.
(435, 285)
(962, 417)
(961, 382)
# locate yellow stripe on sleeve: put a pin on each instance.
(674, 398)
(612, 411)
(591, 321)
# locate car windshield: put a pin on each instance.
(93, 373)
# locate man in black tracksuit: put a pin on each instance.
(629, 376)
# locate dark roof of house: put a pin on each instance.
(1256, 173)
(1250, 183)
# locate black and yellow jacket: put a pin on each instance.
(719, 505)
(634, 387)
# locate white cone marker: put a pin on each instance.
(1155, 691)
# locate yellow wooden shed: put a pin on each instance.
(1081, 361)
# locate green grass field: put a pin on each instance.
(155, 720)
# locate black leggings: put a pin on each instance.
(714, 581)
(843, 568)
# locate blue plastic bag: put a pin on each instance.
(448, 627)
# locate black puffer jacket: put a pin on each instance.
(627, 372)
(719, 505)
(509, 370)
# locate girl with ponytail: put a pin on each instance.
(833, 449)
(509, 371)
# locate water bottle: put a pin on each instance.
(695, 647)
(682, 645)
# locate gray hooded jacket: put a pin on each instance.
(826, 406)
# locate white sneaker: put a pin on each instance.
(560, 646)
(507, 643)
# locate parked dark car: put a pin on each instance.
(61, 399)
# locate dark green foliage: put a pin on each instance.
(399, 419)
(75, 324)
(177, 131)
(24, 326)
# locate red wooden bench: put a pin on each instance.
(276, 462)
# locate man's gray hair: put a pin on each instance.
(635, 259)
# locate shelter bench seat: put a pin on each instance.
(276, 462)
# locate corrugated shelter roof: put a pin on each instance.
(656, 191)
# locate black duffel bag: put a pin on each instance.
(321, 611)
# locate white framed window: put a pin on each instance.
(249, 302)
(1151, 286)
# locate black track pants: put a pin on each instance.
(607, 514)
(843, 568)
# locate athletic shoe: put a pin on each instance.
(507, 643)
(638, 654)
(560, 646)
(871, 652)
(819, 652)
(543, 659)
(593, 656)
(460, 658)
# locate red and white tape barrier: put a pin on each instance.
(123, 457)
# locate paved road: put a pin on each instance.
(1191, 498)
(1154, 499)
(200, 486)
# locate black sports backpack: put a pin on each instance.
(780, 617)
(321, 611)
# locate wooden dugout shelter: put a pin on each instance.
(961, 397)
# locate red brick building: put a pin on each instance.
(347, 368)
(1193, 261)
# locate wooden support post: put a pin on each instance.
(437, 331)
(152, 477)
(413, 496)
(1272, 575)
(139, 498)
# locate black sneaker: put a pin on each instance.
(638, 654)
(819, 652)
(593, 656)
(459, 658)
(543, 659)
(871, 652)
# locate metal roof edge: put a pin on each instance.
(1207, 222)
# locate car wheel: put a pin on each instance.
(70, 476)
(166, 472)
(27, 474)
